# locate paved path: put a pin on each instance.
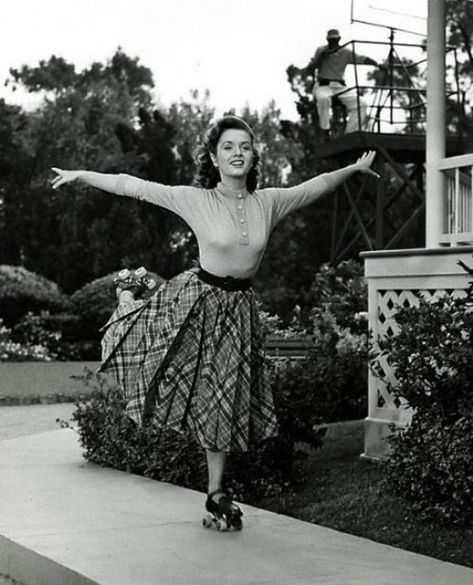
(5, 580)
(43, 382)
(19, 421)
(63, 520)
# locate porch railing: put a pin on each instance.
(458, 200)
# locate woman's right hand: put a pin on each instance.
(62, 177)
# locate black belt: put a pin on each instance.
(328, 81)
(225, 282)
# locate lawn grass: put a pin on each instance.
(343, 492)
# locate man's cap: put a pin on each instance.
(333, 33)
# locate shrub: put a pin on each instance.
(54, 333)
(92, 305)
(432, 361)
(337, 368)
(335, 373)
(341, 290)
(432, 356)
(111, 439)
(274, 325)
(431, 466)
(11, 351)
(22, 291)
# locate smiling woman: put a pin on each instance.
(191, 356)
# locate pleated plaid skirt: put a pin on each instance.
(192, 357)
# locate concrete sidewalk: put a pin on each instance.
(18, 421)
(66, 522)
(24, 383)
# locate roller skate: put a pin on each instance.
(137, 284)
(223, 513)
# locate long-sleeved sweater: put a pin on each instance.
(232, 227)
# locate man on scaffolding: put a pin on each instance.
(330, 61)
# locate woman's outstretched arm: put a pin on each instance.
(182, 200)
(98, 180)
(288, 199)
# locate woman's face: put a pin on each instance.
(234, 156)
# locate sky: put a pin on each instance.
(238, 50)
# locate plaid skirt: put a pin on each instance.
(192, 357)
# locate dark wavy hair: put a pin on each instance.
(207, 176)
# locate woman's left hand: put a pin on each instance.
(364, 163)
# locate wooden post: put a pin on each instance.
(435, 144)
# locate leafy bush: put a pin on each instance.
(431, 466)
(274, 325)
(432, 356)
(335, 372)
(22, 291)
(432, 359)
(337, 368)
(92, 305)
(111, 439)
(11, 351)
(333, 376)
(56, 334)
(342, 291)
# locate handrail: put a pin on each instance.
(409, 97)
(452, 162)
(394, 43)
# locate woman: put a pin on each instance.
(195, 358)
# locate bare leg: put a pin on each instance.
(216, 466)
(125, 296)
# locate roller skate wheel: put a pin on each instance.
(222, 525)
(140, 272)
(237, 523)
(125, 273)
(207, 522)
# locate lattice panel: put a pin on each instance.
(388, 302)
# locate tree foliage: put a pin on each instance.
(460, 35)
(100, 119)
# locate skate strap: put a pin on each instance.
(224, 497)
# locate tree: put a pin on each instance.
(66, 235)
(15, 174)
(460, 34)
(190, 119)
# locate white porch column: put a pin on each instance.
(435, 144)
